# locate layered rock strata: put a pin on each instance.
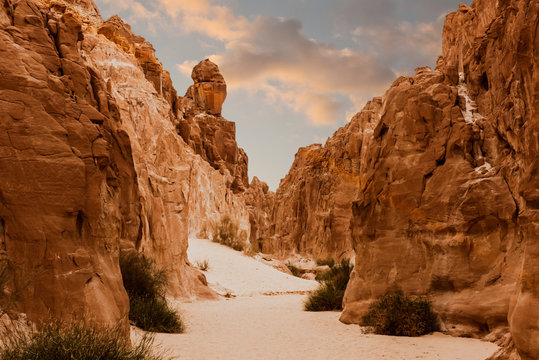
(312, 211)
(448, 206)
(209, 134)
(91, 162)
(68, 191)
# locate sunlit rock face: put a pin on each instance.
(260, 202)
(68, 185)
(92, 164)
(209, 90)
(448, 189)
(312, 209)
(209, 134)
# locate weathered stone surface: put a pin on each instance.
(116, 30)
(448, 205)
(312, 209)
(260, 201)
(68, 190)
(180, 191)
(209, 134)
(91, 162)
(209, 90)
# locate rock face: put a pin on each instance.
(68, 191)
(260, 202)
(448, 189)
(207, 132)
(91, 163)
(312, 209)
(209, 90)
(439, 181)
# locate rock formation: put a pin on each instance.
(443, 171)
(206, 131)
(68, 190)
(259, 201)
(92, 163)
(312, 209)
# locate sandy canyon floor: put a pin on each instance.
(252, 325)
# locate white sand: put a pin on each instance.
(276, 327)
(241, 275)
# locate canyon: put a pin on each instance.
(432, 188)
(100, 155)
(443, 171)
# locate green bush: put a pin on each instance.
(75, 341)
(145, 285)
(330, 293)
(328, 262)
(154, 315)
(294, 270)
(338, 274)
(141, 277)
(399, 315)
(227, 233)
(203, 265)
(326, 298)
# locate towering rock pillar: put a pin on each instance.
(209, 90)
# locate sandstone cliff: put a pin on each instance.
(448, 203)
(207, 132)
(439, 181)
(92, 161)
(68, 190)
(312, 209)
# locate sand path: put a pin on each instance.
(253, 326)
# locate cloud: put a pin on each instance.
(272, 56)
(215, 21)
(186, 67)
(394, 42)
(402, 33)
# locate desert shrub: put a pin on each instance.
(338, 274)
(141, 277)
(396, 314)
(154, 314)
(294, 270)
(325, 298)
(226, 232)
(203, 265)
(75, 341)
(330, 293)
(328, 262)
(255, 247)
(145, 285)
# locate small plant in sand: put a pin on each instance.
(296, 271)
(328, 262)
(145, 285)
(330, 293)
(202, 265)
(226, 232)
(74, 341)
(255, 247)
(399, 315)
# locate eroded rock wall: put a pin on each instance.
(179, 189)
(312, 211)
(68, 192)
(209, 134)
(448, 207)
(91, 162)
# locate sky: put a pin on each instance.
(296, 70)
